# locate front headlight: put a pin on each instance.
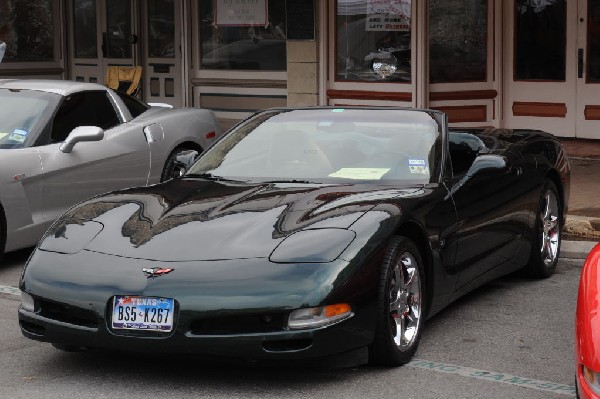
(320, 316)
(68, 238)
(592, 378)
(313, 246)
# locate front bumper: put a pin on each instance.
(74, 312)
(349, 335)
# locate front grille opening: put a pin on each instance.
(68, 314)
(32, 328)
(246, 324)
(288, 345)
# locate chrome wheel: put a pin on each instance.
(546, 238)
(401, 304)
(550, 231)
(405, 301)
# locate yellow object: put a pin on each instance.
(123, 78)
(360, 173)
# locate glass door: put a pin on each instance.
(540, 81)
(117, 34)
(162, 51)
(85, 41)
(102, 35)
(588, 70)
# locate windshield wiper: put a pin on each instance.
(298, 181)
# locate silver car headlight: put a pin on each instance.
(313, 246)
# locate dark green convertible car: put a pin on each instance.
(316, 233)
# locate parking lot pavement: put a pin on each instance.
(512, 338)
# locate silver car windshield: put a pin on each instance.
(23, 115)
(325, 145)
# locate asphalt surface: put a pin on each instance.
(512, 338)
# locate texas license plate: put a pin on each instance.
(142, 313)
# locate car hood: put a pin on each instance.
(195, 219)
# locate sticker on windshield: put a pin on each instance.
(360, 173)
(417, 169)
(419, 162)
(18, 135)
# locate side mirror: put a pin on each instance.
(487, 164)
(81, 133)
(183, 161)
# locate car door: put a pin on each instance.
(121, 159)
(492, 216)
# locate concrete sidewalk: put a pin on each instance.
(576, 249)
(582, 229)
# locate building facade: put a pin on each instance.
(509, 64)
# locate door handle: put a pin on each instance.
(580, 63)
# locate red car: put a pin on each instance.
(587, 328)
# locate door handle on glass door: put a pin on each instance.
(580, 63)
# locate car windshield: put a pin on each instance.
(23, 115)
(327, 145)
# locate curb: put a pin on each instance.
(576, 249)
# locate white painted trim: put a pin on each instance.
(240, 90)
(235, 74)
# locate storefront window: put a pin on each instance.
(540, 50)
(243, 35)
(373, 40)
(457, 40)
(27, 27)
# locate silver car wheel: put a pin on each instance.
(405, 301)
(550, 229)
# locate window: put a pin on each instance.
(91, 108)
(118, 14)
(27, 27)
(135, 106)
(84, 23)
(161, 29)
(243, 35)
(593, 38)
(373, 40)
(457, 41)
(540, 50)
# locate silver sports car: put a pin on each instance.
(62, 142)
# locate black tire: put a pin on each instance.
(396, 341)
(170, 169)
(545, 246)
